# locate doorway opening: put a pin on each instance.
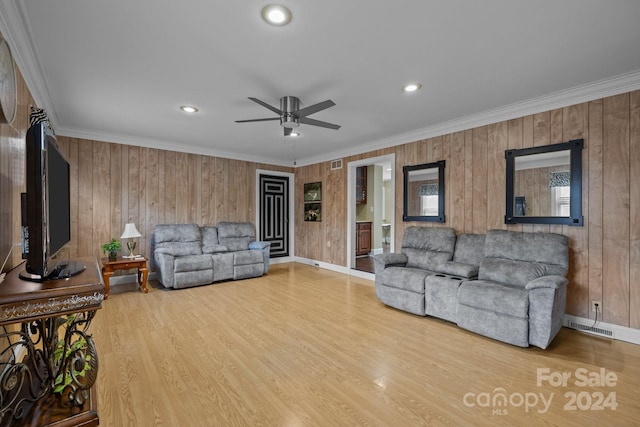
(370, 212)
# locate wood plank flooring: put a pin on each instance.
(365, 263)
(303, 346)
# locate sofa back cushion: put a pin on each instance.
(428, 247)
(177, 239)
(517, 258)
(236, 235)
(469, 248)
(210, 243)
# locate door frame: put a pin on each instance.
(292, 186)
(351, 206)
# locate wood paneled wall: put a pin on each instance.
(604, 253)
(112, 184)
(12, 173)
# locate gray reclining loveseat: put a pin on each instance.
(187, 255)
(507, 285)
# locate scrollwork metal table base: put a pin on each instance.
(48, 352)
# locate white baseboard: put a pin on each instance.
(325, 265)
(336, 268)
(282, 260)
(603, 329)
(363, 275)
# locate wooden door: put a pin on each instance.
(274, 213)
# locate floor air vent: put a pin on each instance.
(591, 329)
(336, 164)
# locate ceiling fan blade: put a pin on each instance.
(257, 120)
(265, 105)
(287, 131)
(307, 111)
(313, 122)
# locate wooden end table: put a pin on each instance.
(109, 267)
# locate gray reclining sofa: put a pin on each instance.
(507, 285)
(187, 255)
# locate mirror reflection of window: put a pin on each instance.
(429, 198)
(424, 184)
(561, 197)
(543, 180)
(544, 184)
(424, 192)
(429, 205)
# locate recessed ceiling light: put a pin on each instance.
(412, 87)
(276, 14)
(189, 109)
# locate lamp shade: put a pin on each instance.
(130, 231)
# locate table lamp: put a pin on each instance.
(130, 232)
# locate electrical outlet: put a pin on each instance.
(595, 304)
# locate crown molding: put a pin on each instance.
(15, 28)
(164, 145)
(589, 92)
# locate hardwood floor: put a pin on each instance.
(303, 346)
(365, 263)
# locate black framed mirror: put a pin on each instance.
(424, 192)
(544, 184)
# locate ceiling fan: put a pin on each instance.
(291, 115)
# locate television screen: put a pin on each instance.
(57, 174)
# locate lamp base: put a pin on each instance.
(131, 245)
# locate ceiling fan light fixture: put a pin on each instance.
(289, 121)
(189, 109)
(294, 133)
(412, 87)
(276, 14)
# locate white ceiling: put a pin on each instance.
(118, 70)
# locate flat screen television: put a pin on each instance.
(46, 212)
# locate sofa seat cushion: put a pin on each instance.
(406, 278)
(495, 297)
(193, 263)
(248, 257)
